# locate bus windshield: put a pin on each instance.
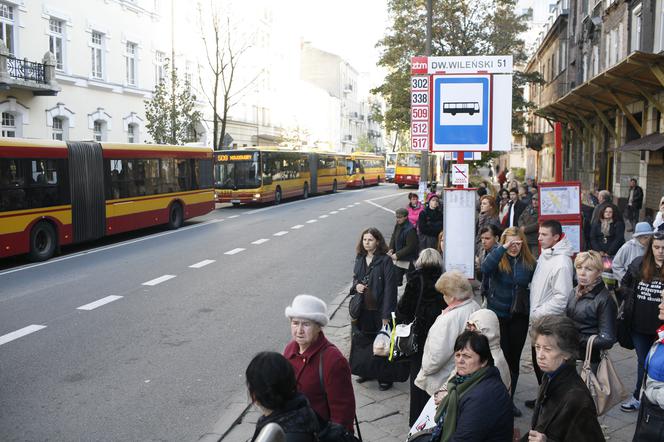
(390, 160)
(409, 160)
(237, 174)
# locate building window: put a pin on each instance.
(59, 128)
(7, 26)
(636, 28)
(130, 63)
(97, 51)
(132, 133)
(98, 131)
(56, 41)
(188, 76)
(159, 67)
(8, 125)
(595, 60)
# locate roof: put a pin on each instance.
(651, 142)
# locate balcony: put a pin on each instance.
(29, 75)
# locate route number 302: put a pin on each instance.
(419, 83)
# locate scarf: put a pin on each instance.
(582, 290)
(446, 414)
(606, 226)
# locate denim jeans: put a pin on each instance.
(642, 344)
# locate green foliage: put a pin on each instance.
(460, 27)
(364, 144)
(171, 114)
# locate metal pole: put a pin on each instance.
(424, 164)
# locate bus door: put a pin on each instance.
(86, 182)
(313, 170)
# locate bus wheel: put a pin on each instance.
(362, 185)
(305, 191)
(277, 196)
(175, 216)
(42, 241)
(401, 185)
(236, 204)
(378, 180)
(334, 187)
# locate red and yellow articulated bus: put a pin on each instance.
(54, 193)
(365, 169)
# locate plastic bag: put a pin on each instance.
(381, 345)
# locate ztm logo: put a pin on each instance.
(419, 64)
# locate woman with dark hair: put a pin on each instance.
(272, 388)
(422, 303)
(510, 268)
(488, 216)
(414, 208)
(430, 222)
(374, 277)
(476, 405)
(641, 289)
(503, 205)
(607, 234)
(564, 410)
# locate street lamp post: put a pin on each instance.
(424, 165)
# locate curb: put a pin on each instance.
(238, 407)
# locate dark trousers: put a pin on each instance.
(513, 332)
(632, 215)
(538, 371)
(418, 397)
(642, 344)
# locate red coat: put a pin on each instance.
(336, 376)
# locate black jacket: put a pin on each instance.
(637, 198)
(518, 207)
(611, 243)
(382, 282)
(297, 419)
(565, 411)
(404, 241)
(431, 306)
(594, 314)
(640, 311)
(485, 412)
(430, 222)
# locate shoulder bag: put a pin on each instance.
(520, 301)
(357, 299)
(605, 387)
(650, 423)
(403, 342)
(624, 318)
(334, 432)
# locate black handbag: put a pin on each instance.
(624, 320)
(650, 423)
(405, 335)
(520, 301)
(357, 299)
(333, 432)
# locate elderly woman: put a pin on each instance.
(309, 352)
(272, 387)
(422, 303)
(564, 410)
(477, 404)
(591, 307)
(607, 234)
(374, 277)
(438, 356)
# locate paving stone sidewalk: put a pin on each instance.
(383, 415)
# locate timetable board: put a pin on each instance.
(459, 226)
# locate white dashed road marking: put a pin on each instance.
(282, 233)
(342, 208)
(203, 263)
(380, 207)
(20, 333)
(234, 251)
(298, 226)
(334, 212)
(349, 206)
(99, 303)
(323, 216)
(312, 221)
(260, 241)
(159, 280)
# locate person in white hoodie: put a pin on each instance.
(552, 283)
(631, 250)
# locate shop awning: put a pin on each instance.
(650, 142)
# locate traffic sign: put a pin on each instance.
(460, 175)
(420, 112)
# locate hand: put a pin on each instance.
(438, 396)
(536, 436)
(386, 322)
(512, 242)
(360, 288)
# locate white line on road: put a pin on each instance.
(282, 233)
(334, 212)
(20, 333)
(298, 226)
(323, 216)
(380, 207)
(233, 216)
(99, 303)
(312, 221)
(392, 195)
(203, 263)
(342, 208)
(260, 241)
(350, 206)
(159, 280)
(234, 251)
(357, 204)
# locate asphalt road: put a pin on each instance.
(107, 357)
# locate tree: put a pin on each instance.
(223, 53)
(460, 27)
(171, 113)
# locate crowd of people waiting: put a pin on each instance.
(470, 338)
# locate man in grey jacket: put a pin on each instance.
(632, 249)
(552, 283)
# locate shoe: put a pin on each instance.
(516, 412)
(382, 386)
(530, 404)
(361, 380)
(631, 405)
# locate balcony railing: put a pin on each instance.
(26, 70)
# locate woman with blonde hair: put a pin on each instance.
(659, 218)
(510, 268)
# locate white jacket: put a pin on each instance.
(438, 356)
(626, 254)
(552, 282)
